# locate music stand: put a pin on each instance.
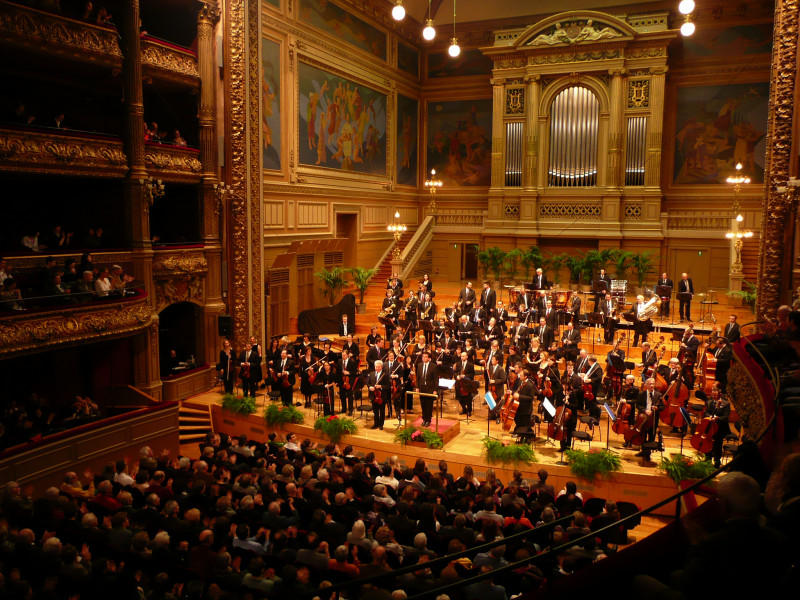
(595, 319)
(492, 405)
(612, 418)
(599, 288)
(664, 292)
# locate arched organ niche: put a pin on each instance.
(578, 103)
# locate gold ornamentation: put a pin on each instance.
(173, 161)
(549, 59)
(639, 93)
(573, 32)
(511, 211)
(37, 332)
(35, 149)
(170, 60)
(515, 101)
(183, 263)
(777, 215)
(633, 212)
(698, 221)
(179, 289)
(84, 41)
(256, 174)
(746, 399)
(573, 211)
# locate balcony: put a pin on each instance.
(173, 163)
(34, 330)
(63, 152)
(164, 60)
(51, 34)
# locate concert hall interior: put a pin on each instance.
(488, 237)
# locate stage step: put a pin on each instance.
(194, 421)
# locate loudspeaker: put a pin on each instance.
(225, 325)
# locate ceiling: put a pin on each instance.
(489, 10)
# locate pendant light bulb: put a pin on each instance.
(429, 32)
(398, 12)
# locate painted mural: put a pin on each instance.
(459, 141)
(345, 26)
(742, 40)
(407, 110)
(408, 60)
(469, 62)
(342, 124)
(717, 127)
(271, 103)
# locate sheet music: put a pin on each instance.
(490, 401)
(447, 383)
(548, 406)
(610, 412)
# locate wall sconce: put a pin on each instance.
(222, 192)
(398, 229)
(433, 183)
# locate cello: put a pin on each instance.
(703, 438)
(623, 412)
(509, 411)
(555, 430)
(636, 434)
(648, 372)
(676, 397)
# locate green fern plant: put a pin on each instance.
(419, 434)
(277, 414)
(588, 465)
(680, 467)
(499, 453)
(240, 405)
(748, 296)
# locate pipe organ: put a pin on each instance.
(574, 119)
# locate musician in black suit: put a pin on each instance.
(732, 331)
(649, 402)
(466, 298)
(501, 314)
(610, 318)
(544, 333)
(525, 304)
(374, 354)
(348, 371)
(396, 286)
(352, 347)
(463, 369)
(464, 328)
(491, 333)
(690, 343)
(478, 317)
(601, 276)
(549, 313)
(391, 307)
(519, 335)
(593, 375)
(286, 377)
(575, 309)
(227, 364)
(649, 357)
(641, 323)
(427, 283)
(718, 409)
(525, 394)
(251, 356)
(665, 282)
(582, 362)
(427, 383)
(685, 305)
(496, 377)
(488, 297)
(570, 341)
(630, 395)
(346, 328)
(378, 381)
(427, 312)
(540, 282)
(724, 355)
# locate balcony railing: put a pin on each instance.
(166, 60)
(172, 163)
(35, 329)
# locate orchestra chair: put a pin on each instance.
(319, 403)
(730, 446)
(590, 423)
(581, 436)
(358, 395)
(274, 395)
(525, 436)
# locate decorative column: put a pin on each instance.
(498, 133)
(615, 129)
(774, 274)
(211, 198)
(652, 174)
(136, 197)
(533, 95)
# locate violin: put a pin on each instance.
(548, 388)
(378, 395)
(346, 380)
(285, 382)
(244, 371)
(588, 391)
(312, 374)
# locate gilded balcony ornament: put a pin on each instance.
(170, 264)
(170, 60)
(41, 150)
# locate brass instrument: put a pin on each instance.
(424, 313)
(411, 303)
(650, 309)
(386, 311)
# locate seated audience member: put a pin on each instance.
(83, 290)
(31, 242)
(10, 296)
(5, 270)
(102, 285)
(58, 239)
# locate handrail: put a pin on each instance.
(410, 254)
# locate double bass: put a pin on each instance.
(623, 412)
(556, 429)
(509, 411)
(675, 399)
(703, 437)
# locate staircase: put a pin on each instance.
(194, 422)
(385, 270)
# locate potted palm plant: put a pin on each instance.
(642, 265)
(555, 262)
(530, 259)
(361, 277)
(622, 263)
(576, 265)
(334, 281)
(492, 261)
(513, 257)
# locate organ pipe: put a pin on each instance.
(574, 119)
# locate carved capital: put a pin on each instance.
(209, 12)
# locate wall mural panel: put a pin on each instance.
(742, 40)
(469, 62)
(345, 26)
(271, 99)
(342, 124)
(407, 110)
(717, 127)
(459, 141)
(408, 60)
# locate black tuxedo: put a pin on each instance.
(352, 349)
(721, 413)
(540, 282)
(732, 332)
(582, 365)
(249, 384)
(467, 298)
(655, 406)
(379, 381)
(286, 391)
(464, 330)
(546, 336)
(227, 365)
(724, 356)
(665, 303)
(351, 370)
(488, 299)
(550, 318)
(575, 308)
(479, 313)
(601, 296)
(649, 357)
(519, 336)
(527, 395)
(501, 315)
(427, 383)
(498, 374)
(685, 306)
(595, 376)
(570, 341)
(606, 308)
(351, 328)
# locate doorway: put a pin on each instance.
(347, 229)
(469, 261)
